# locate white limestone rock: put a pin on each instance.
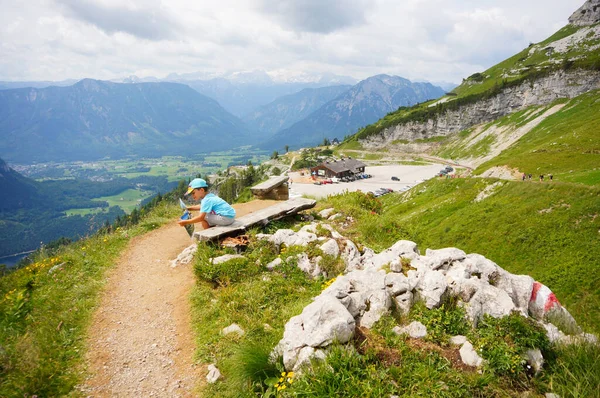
(233, 328)
(378, 304)
(291, 238)
(351, 256)
(458, 340)
(331, 248)
(489, 300)
(213, 374)
(326, 212)
(431, 288)
(469, 356)
(518, 287)
(402, 248)
(535, 360)
(404, 302)
(482, 268)
(334, 233)
(186, 256)
(442, 258)
(309, 267)
(275, 263)
(311, 228)
(225, 258)
(415, 329)
(396, 283)
(306, 355)
(322, 322)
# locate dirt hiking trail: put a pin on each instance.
(141, 342)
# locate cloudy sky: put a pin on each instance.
(434, 40)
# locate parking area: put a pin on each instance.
(408, 176)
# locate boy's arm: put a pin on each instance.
(198, 218)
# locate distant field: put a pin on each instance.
(174, 168)
(83, 212)
(127, 200)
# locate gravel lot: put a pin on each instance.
(382, 178)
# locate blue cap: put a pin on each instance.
(196, 183)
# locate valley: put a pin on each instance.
(99, 192)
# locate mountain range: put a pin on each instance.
(96, 119)
(364, 103)
(289, 109)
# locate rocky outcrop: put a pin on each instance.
(588, 14)
(560, 84)
(377, 284)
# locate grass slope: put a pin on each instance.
(378, 362)
(547, 230)
(566, 144)
(45, 309)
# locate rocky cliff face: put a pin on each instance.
(588, 14)
(543, 91)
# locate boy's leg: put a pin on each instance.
(215, 219)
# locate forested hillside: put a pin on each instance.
(33, 213)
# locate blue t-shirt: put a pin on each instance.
(212, 204)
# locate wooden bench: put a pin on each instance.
(263, 217)
(274, 188)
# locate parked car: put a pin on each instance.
(449, 169)
(395, 178)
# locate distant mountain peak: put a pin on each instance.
(587, 14)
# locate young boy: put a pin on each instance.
(213, 210)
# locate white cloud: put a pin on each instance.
(417, 39)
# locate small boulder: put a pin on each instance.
(275, 263)
(535, 360)
(330, 248)
(469, 356)
(213, 374)
(233, 328)
(458, 340)
(225, 258)
(326, 212)
(415, 329)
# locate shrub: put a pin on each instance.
(503, 341)
(442, 323)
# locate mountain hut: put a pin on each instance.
(339, 168)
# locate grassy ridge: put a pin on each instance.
(566, 144)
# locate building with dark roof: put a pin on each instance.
(339, 168)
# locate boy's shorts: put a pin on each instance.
(215, 219)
